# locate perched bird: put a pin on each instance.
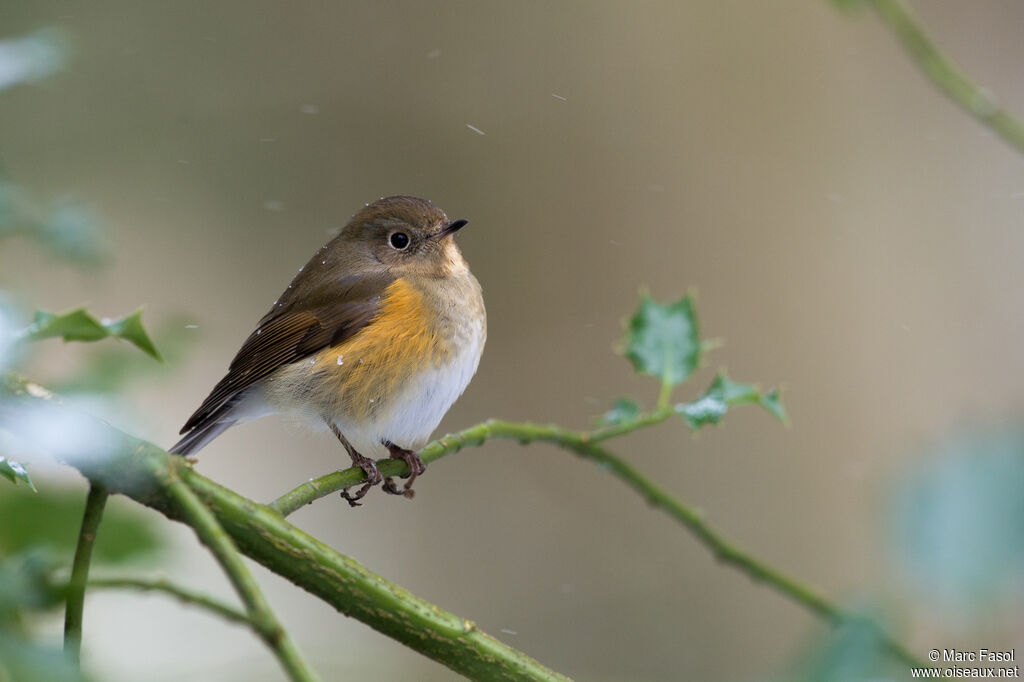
(376, 337)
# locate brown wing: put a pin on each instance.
(291, 331)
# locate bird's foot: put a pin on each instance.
(416, 467)
(373, 477)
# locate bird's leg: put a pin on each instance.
(373, 476)
(416, 467)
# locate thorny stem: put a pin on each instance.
(75, 604)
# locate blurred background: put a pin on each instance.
(850, 234)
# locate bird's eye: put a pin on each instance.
(399, 240)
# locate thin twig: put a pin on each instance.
(210, 533)
(182, 594)
(75, 604)
(584, 443)
(314, 489)
(946, 75)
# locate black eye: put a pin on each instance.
(399, 240)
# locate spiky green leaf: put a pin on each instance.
(724, 393)
(80, 325)
(662, 339)
(15, 472)
(732, 392)
(130, 329)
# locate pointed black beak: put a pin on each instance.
(452, 227)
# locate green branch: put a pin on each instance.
(585, 444)
(182, 594)
(210, 533)
(127, 465)
(945, 74)
(75, 605)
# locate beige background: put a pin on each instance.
(850, 234)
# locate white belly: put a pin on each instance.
(417, 407)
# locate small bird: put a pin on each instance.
(376, 337)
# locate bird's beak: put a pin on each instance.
(451, 228)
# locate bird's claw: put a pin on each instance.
(373, 477)
(416, 467)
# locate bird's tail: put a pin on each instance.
(202, 433)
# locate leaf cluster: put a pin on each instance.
(662, 340)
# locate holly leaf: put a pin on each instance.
(703, 411)
(15, 472)
(130, 329)
(623, 410)
(662, 339)
(80, 325)
(732, 392)
(724, 393)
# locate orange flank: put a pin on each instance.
(398, 343)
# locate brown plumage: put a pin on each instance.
(289, 333)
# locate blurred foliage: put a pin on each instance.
(65, 227)
(23, 660)
(106, 373)
(27, 587)
(850, 652)
(32, 57)
(50, 519)
(80, 325)
(7, 333)
(26, 584)
(38, 531)
(955, 522)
